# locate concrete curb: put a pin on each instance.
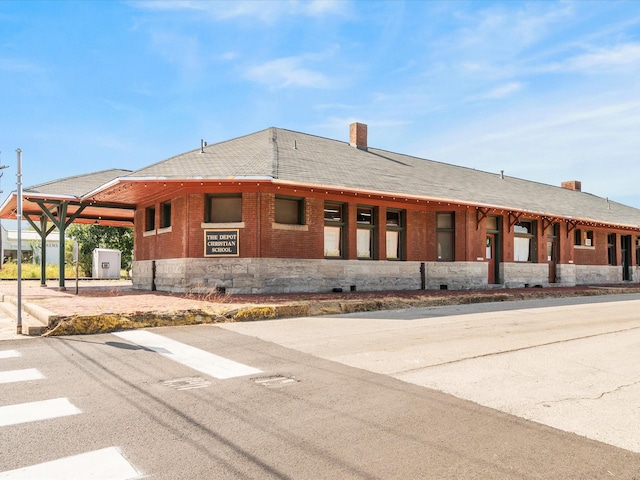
(50, 324)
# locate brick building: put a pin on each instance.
(283, 211)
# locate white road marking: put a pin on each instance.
(33, 411)
(200, 360)
(104, 464)
(9, 354)
(23, 375)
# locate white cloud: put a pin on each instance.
(617, 57)
(592, 140)
(505, 30)
(266, 11)
(287, 72)
(499, 92)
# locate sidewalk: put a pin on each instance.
(108, 305)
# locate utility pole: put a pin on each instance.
(19, 253)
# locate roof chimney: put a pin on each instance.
(572, 185)
(358, 135)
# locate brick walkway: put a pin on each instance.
(118, 296)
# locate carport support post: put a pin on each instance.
(62, 227)
(43, 251)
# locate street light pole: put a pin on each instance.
(19, 253)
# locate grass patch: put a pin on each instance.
(32, 271)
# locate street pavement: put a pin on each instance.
(572, 364)
(335, 397)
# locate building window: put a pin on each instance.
(165, 215)
(638, 251)
(524, 241)
(583, 238)
(150, 219)
(492, 224)
(365, 232)
(289, 211)
(395, 234)
(445, 237)
(611, 249)
(223, 209)
(333, 230)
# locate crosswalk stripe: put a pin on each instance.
(33, 411)
(200, 360)
(104, 464)
(23, 375)
(9, 353)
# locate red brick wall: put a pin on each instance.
(417, 236)
(261, 238)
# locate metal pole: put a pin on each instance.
(19, 253)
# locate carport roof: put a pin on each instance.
(72, 190)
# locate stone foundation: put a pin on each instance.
(520, 275)
(566, 275)
(273, 275)
(277, 275)
(598, 274)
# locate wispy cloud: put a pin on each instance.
(287, 72)
(266, 11)
(617, 57)
(498, 92)
(505, 30)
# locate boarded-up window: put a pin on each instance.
(289, 211)
(224, 209)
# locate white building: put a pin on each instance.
(31, 249)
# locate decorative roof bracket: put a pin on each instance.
(481, 214)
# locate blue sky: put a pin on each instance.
(547, 91)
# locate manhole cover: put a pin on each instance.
(275, 381)
(187, 383)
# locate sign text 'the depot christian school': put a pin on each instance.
(221, 243)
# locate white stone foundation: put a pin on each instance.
(598, 274)
(520, 275)
(276, 275)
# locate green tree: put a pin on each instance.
(90, 237)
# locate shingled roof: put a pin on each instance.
(78, 185)
(301, 158)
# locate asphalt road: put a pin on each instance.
(245, 406)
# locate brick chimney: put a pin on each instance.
(572, 185)
(358, 135)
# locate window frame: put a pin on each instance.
(448, 233)
(583, 238)
(399, 230)
(612, 252)
(165, 214)
(150, 218)
(332, 224)
(210, 210)
(531, 235)
(300, 214)
(369, 228)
